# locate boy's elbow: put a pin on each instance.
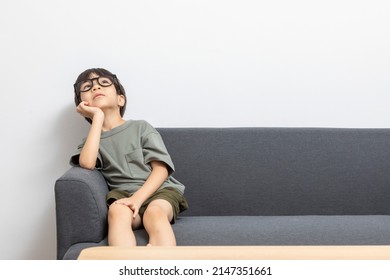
(87, 164)
(161, 166)
(87, 167)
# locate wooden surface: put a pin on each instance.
(237, 253)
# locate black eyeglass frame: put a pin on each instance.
(112, 78)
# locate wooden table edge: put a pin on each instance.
(237, 253)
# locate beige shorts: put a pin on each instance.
(174, 197)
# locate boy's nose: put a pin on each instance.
(95, 85)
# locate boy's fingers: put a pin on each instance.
(129, 204)
(135, 213)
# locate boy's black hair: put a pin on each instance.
(100, 72)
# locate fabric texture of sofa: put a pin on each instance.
(253, 186)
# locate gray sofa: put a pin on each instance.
(254, 186)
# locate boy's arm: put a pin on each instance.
(156, 178)
(90, 151)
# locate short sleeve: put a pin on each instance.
(154, 149)
(74, 159)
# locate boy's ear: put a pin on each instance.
(121, 100)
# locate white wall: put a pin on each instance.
(183, 63)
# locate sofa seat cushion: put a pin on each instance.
(270, 230)
(283, 230)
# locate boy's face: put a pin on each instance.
(100, 92)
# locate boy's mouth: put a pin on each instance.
(97, 95)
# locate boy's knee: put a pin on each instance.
(118, 211)
(157, 212)
(154, 213)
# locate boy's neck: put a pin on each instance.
(112, 121)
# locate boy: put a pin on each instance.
(133, 159)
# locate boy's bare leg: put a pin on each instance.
(121, 225)
(156, 221)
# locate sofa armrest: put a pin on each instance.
(81, 210)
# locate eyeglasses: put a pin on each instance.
(86, 85)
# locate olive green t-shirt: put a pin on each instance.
(125, 154)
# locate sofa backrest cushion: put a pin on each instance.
(282, 171)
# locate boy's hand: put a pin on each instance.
(133, 204)
(88, 111)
